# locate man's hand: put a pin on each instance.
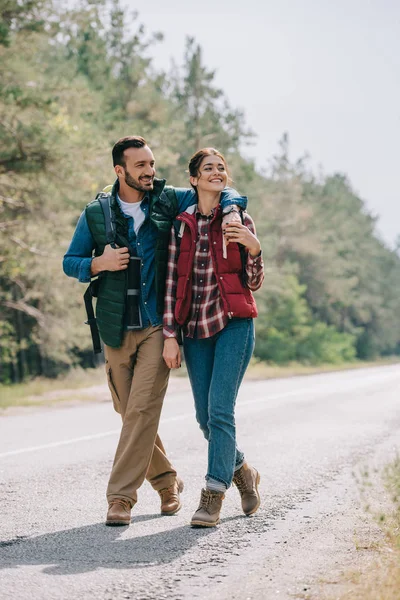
(237, 232)
(172, 353)
(112, 259)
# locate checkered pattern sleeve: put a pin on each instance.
(170, 326)
(254, 265)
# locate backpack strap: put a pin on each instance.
(92, 289)
(91, 319)
(109, 217)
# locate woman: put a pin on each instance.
(208, 295)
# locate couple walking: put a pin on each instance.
(184, 264)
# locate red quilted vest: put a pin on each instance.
(238, 301)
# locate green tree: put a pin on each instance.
(17, 16)
(75, 80)
(207, 117)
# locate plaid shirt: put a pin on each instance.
(206, 316)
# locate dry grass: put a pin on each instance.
(380, 581)
(377, 575)
(41, 390)
(263, 370)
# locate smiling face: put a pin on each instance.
(139, 169)
(211, 175)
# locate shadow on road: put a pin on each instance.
(85, 549)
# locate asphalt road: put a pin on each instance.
(306, 435)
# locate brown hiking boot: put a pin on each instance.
(207, 515)
(119, 512)
(170, 499)
(246, 480)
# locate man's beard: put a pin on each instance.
(135, 184)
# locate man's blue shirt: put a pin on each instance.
(78, 258)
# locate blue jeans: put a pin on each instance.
(216, 366)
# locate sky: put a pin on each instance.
(327, 73)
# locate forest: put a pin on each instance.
(72, 82)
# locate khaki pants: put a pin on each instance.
(138, 378)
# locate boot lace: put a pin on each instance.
(206, 499)
(170, 492)
(121, 502)
(240, 481)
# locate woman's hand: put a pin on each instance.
(172, 353)
(231, 217)
(239, 233)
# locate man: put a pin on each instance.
(129, 316)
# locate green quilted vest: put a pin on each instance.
(110, 307)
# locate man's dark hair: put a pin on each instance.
(131, 141)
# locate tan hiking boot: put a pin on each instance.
(207, 515)
(246, 480)
(119, 512)
(170, 498)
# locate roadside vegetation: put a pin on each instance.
(381, 580)
(79, 384)
(377, 574)
(74, 80)
(44, 391)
